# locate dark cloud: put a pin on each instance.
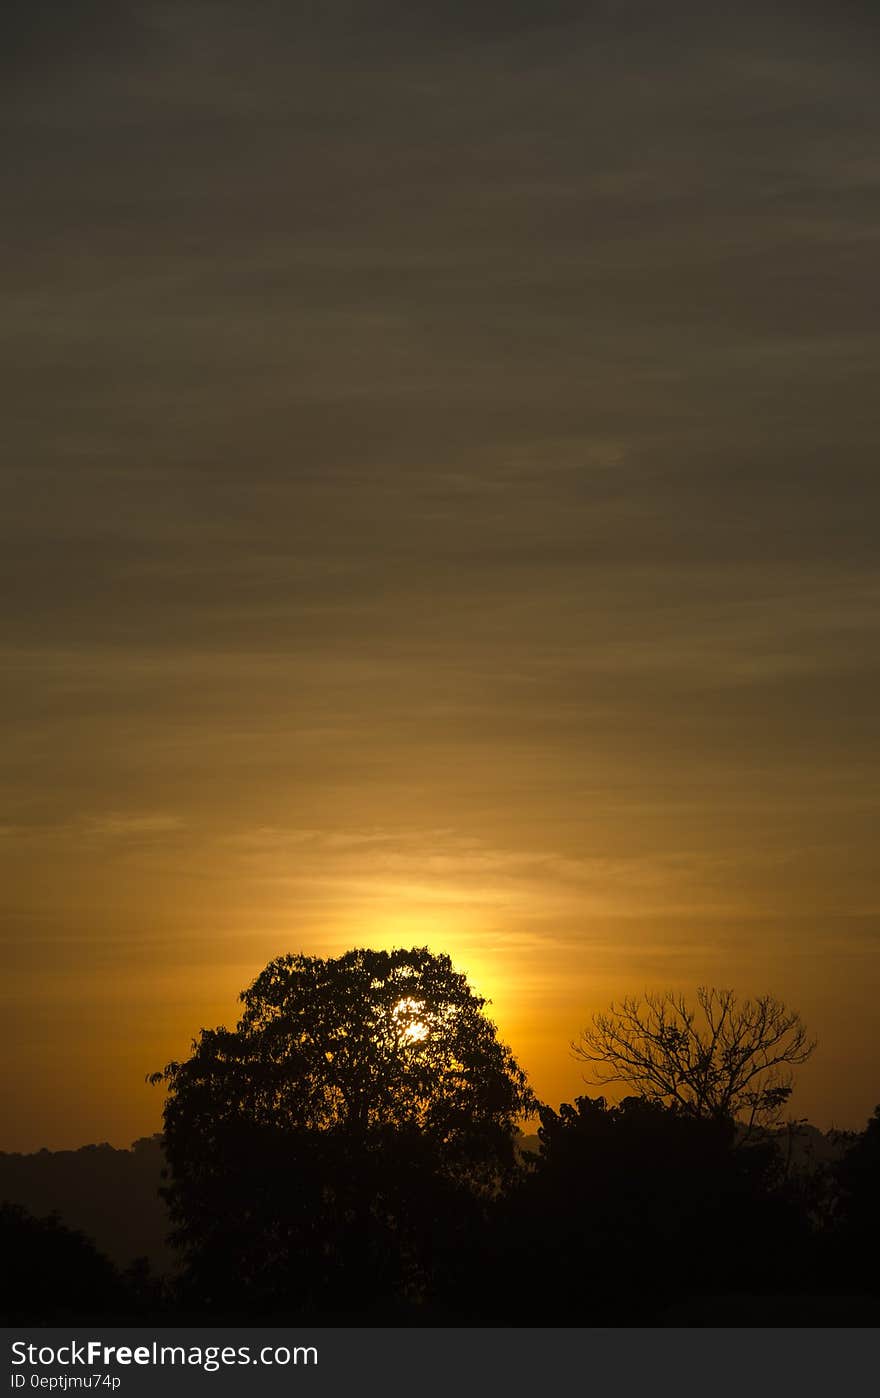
(466, 409)
(37, 37)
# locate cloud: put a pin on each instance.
(121, 825)
(38, 36)
(110, 826)
(441, 476)
(443, 868)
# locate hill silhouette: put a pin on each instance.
(110, 1195)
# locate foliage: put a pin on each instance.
(631, 1208)
(858, 1178)
(724, 1059)
(362, 1103)
(52, 1274)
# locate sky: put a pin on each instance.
(439, 507)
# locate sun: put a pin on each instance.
(405, 1014)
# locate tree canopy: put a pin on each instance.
(367, 1041)
(355, 1095)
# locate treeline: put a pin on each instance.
(350, 1154)
(628, 1214)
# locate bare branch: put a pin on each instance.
(723, 1059)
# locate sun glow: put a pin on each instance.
(405, 1015)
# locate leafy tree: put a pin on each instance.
(363, 1103)
(724, 1058)
(857, 1176)
(53, 1274)
(632, 1208)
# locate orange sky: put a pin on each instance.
(439, 508)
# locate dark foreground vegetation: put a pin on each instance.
(350, 1154)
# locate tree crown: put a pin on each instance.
(724, 1058)
(361, 1044)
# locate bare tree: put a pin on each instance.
(721, 1059)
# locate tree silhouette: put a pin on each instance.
(857, 1214)
(363, 1103)
(724, 1059)
(631, 1209)
(53, 1274)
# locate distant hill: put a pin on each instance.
(528, 1145)
(805, 1147)
(112, 1196)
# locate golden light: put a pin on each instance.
(405, 1015)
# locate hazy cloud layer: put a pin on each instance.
(456, 423)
